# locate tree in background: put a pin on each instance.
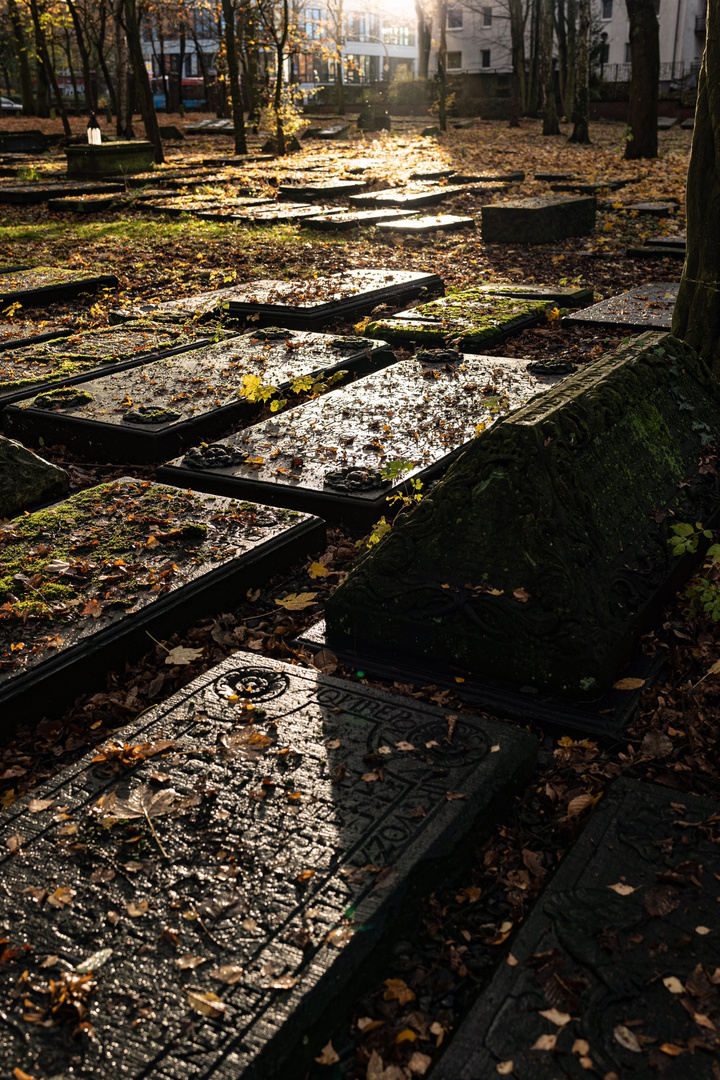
(233, 65)
(424, 38)
(581, 107)
(697, 312)
(547, 71)
(141, 78)
(642, 139)
(442, 12)
(23, 56)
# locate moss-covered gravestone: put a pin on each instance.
(542, 555)
(26, 479)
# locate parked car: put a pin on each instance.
(6, 105)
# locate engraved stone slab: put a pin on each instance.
(343, 454)
(21, 332)
(538, 220)
(156, 410)
(543, 554)
(299, 810)
(328, 189)
(565, 296)
(644, 308)
(340, 222)
(115, 562)
(468, 319)
(408, 197)
(72, 359)
(50, 284)
(208, 207)
(626, 931)
(420, 225)
(657, 208)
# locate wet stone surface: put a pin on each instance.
(22, 332)
(615, 971)
(358, 219)
(195, 395)
(72, 357)
(48, 284)
(207, 206)
(648, 307)
(441, 222)
(470, 319)
(328, 189)
(342, 454)
(85, 570)
(408, 197)
(224, 876)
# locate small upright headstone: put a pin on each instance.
(538, 220)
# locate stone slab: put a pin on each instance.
(329, 189)
(558, 176)
(205, 206)
(33, 194)
(27, 480)
(120, 158)
(68, 360)
(50, 285)
(23, 142)
(664, 123)
(335, 131)
(655, 252)
(468, 319)
(581, 187)
(87, 204)
(624, 942)
(543, 555)
(427, 224)
(653, 209)
(286, 213)
(21, 332)
(538, 220)
(514, 176)
(644, 308)
(688, 124)
(154, 411)
(431, 174)
(115, 563)
(565, 296)
(340, 222)
(406, 197)
(284, 867)
(667, 241)
(345, 453)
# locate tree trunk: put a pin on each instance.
(124, 104)
(26, 94)
(572, 32)
(562, 45)
(697, 311)
(142, 79)
(550, 117)
(67, 49)
(44, 58)
(534, 97)
(181, 66)
(424, 40)
(442, 65)
(581, 108)
(518, 87)
(100, 46)
(90, 103)
(234, 76)
(280, 40)
(642, 138)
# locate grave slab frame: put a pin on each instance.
(52, 293)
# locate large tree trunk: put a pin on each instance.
(49, 70)
(100, 46)
(534, 96)
(442, 65)
(518, 88)
(26, 94)
(550, 117)
(562, 46)
(142, 80)
(572, 32)
(424, 40)
(581, 108)
(122, 89)
(642, 139)
(234, 77)
(697, 311)
(90, 103)
(181, 68)
(250, 66)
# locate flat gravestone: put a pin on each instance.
(548, 176)
(87, 204)
(679, 242)
(582, 187)
(653, 209)
(543, 555)
(207, 206)
(50, 285)
(282, 214)
(335, 131)
(538, 220)
(90, 577)
(329, 189)
(27, 480)
(427, 224)
(688, 123)
(664, 123)
(23, 142)
(615, 971)
(408, 197)
(32, 194)
(21, 332)
(293, 813)
(515, 176)
(345, 453)
(153, 412)
(466, 319)
(431, 174)
(655, 252)
(75, 358)
(339, 222)
(565, 296)
(648, 307)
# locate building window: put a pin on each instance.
(454, 60)
(628, 53)
(485, 58)
(398, 35)
(607, 9)
(454, 19)
(487, 16)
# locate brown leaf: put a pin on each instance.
(326, 661)
(387, 877)
(188, 962)
(419, 1063)
(339, 937)
(661, 901)
(398, 990)
(622, 889)
(544, 1042)
(327, 1055)
(579, 803)
(62, 897)
(206, 1003)
(560, 1019)
(36, 806)
(284, 982)
(452, 795)
(227, 973)
(629, 684)
(14, 842)
(135, 910)
(505, 1068)
(521, 595)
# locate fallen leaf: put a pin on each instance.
(544, 1042)
(94, 962)
(19, 1074)
(387, 877)
(366, 1023)
(581, 1047)
(327, 1055)
(36, 806)
(326, 661)
(505, 1068)
(622, 889)
(560, 1019)
(471, 893)
(452, 795)
(297, 601)
(628, 684)
(284, 982)
(135, 910)
(704, 1021)
(398, 990)
(512, 961)
(656, 745)
(318, 570)
(672, 1049)
(93, 608)
(370, 777)
(14, 842)
(419, 1063)
(227, 973)
(521, 595)
(674, 985)
(62, 897)
(403, 745)
(626, 1038)
(406, 1035)
(304, 876)
(339, 937)
(579, 803)
(181, 655)
(702, 930)
(188, 962)
(206, 1003)
(375, 1068)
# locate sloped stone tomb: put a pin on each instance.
(343, 454)
(326, 189)
(50, 284)
(73, 359)
(544, 554)
(340, 222)
(86, 580)
(27, 480)
(205, 206)
(33, 194)
(295, 813)
(643, 308)
(465, 319)
(625, 931)
(538, 220)
(409, 197)
(154, 411)
(17, 333)
(427, 224)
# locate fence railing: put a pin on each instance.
(676, 71)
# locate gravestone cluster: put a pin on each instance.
(206, 906)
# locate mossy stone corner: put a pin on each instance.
(26, 479)
(110, 159)
(538, 220)
(542, 555)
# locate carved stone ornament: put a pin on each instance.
(212, 456)
(543, 554)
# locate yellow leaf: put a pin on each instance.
(206, 1003)
(227, 973)
(136, 910)
(629, 684)
(622, 889)
(304, 875)
(62, 897)
(327, 1055)
(316, 570)
(560, 1019)
(406, 1035)
(297, 601)
(398, 990)
(544, 1042)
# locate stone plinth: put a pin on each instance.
(110, 159)
(538, 220)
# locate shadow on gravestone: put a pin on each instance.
(543, 554)
(26, 479)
